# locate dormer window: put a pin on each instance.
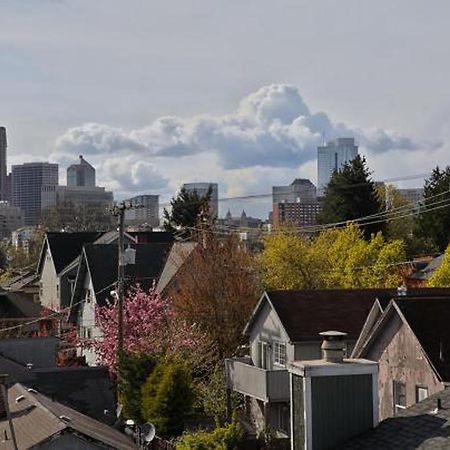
(279, 353)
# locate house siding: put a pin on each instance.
(401, 359)
(268, 328)
(49, 284)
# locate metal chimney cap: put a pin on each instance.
(332, 335)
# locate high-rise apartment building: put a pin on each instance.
(3, 147)
(331, 157)
(202, 189)
(295, 204)
(29, 180)
(81, 174)
(146, 212)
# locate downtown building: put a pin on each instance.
(331, 157)
(145, 211)
(30, 184)
(202, 190)
(295, 204)
(3, 174)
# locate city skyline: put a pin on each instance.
(152, 109)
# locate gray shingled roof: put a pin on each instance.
(36, 419)
(419, 427)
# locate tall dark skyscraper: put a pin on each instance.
(3, 146)
(29, 184)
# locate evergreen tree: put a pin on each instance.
(186, 209)
(436, 224)
(167, 398)
(351, 194)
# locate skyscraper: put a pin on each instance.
(202, 190)
(81, 174)
(29, 183)
(3, 146)
(146, 213)
(332, 156)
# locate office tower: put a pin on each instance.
(300, 190)
(3, 146)
(295, 204)
(202, 189)
(412, 195)
(331, 157)
(146, 212)
(11, 218)
(81, 174)
(29, 180)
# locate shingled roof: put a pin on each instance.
(421, 426)
(65, 247)
(306, 313)
(36, 419)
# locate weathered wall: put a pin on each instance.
(401, 359)
(48, 282)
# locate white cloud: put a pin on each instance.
(271, 128)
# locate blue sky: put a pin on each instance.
(156, 93)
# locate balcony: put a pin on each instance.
(266, 385)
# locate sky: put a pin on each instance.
(155, 93)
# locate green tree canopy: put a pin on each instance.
(167, 397)
(336, 258)
(435, 224)
(185, 211)
(351, 194)
(441, 278)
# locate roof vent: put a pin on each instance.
(65, 418)
(33, 391)
(402, 291)
(333, 346)
(30, 366)
(20, 398)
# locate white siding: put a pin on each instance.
(49, 284)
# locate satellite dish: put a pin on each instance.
(148, 432)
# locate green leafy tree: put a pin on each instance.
(336, 258)
(185, 212)
(134, 371)
(435, 224)
(351, 194)
(167, 397)
(441, 278)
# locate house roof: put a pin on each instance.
(39, 351)
(428, 270)
(86, 389)
(17, 305)
(36, 419)
(65, 247)
(429, 319)
(419, 427)
(306, 313)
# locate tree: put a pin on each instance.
(441, 278)
(350, 195)
(336, 258)
(150, 326)
(218, 292)
(78, 217)
(167, 397)
(185, 212)
(435, 224)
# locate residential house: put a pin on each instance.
(425, 426)
(97, 277)
(411, 342)
(58, 264)
(283, 328)
(421, 271)
(26, 283)
(41, 423)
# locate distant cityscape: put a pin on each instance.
(32, 188)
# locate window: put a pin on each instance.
(283, 417)
(279, 353)
(399, 391)
(421, 393)
(263, 351)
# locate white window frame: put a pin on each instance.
(279, 357)
(424, 390)
(397, 406)
(263, 354)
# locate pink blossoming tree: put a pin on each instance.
(150, 326)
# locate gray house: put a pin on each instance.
(283, 328)
(411, 342)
